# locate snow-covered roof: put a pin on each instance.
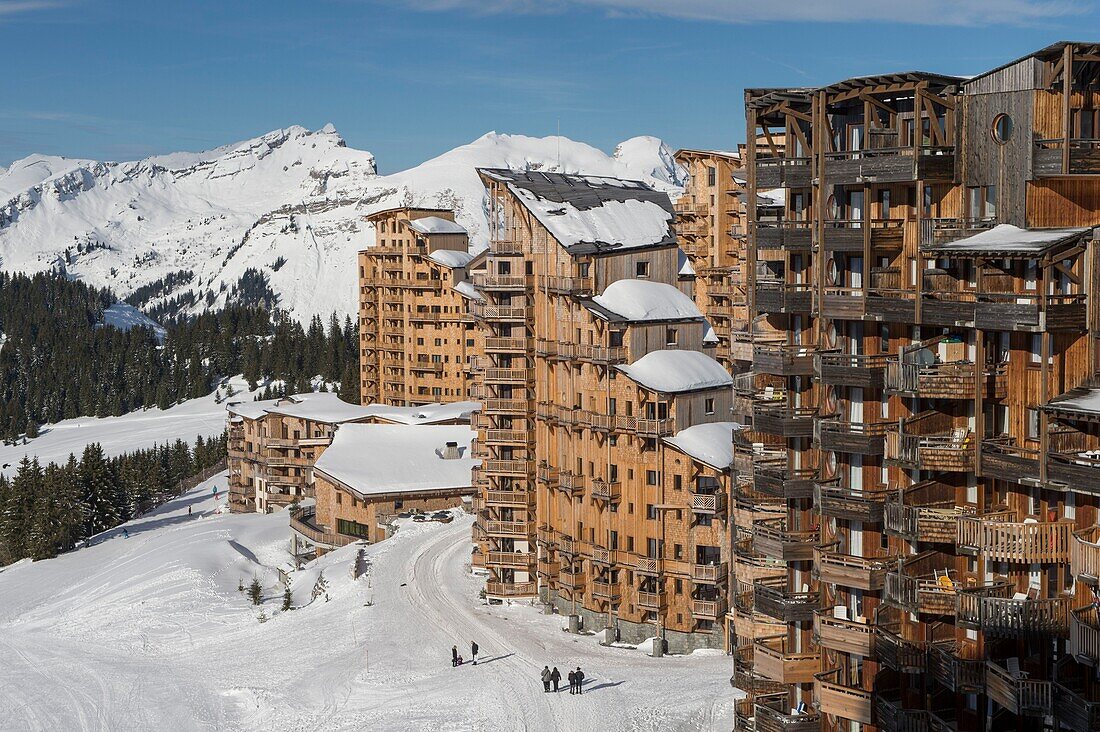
(644, 300)
(425, 413)
(450, 257)
(671, 372)
(436, 225)
(1008, 239)
(374, 459)
(588, 213)
(467, 289)
(710, 443)
(710, 336)
(775, 197)
(684, 263)
(1083, 402)
(315, 406)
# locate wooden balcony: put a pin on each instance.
(746, 677)
(773, 539)
(499, 313)
(1017, 693)
(889, 165)
(605, 591)
(508, 529)
(1084, 635)
(708, 609)
(1003, 459)
(508, 376)
(851, 504)
(839, 700)
(771, 597)
(1085, 555)
(855, 438)
(509, 468)
(576, 286)
(497, 344)
(849, 571)
(303, 523)
(840, 634)
(509, 437)
(784, 421)
(925, 512)
(891, 715)
(785, 235)
(843, 369)
(959, 668)
(944, 452)
(782, 297)
(500, 282)
(510, 499)
(996, 539)
(954, 380)
(651, 601)
(772, 713)
(749, 566)
(783, 360)
(1050, 159)
(517, 560)
(507, 406)
(570, 482)
(776, 661)
(708, 503)
(781, 482)
(1029, 313)
(1081, 472)
(547, 475)
(923, 584)
(947, 309)
(997, 613)
(709, 574)
(571, 581)
(782, 172)
(750, 506)
(898, 653)
(1075, 708)
(510, 589)
(603, 490)
(843, 236)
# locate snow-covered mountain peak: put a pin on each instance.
(289, 204)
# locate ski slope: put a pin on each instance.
(137, 430)
(150, 632)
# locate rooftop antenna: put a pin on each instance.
(559, 144)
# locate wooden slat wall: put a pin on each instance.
(1008, 166)
(1023, 75)
(1066, 202)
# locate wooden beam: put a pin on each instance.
(1067, 272)
(771, 142)
(1067, 88)
(802, 138)
(795, 113)
(877, 102)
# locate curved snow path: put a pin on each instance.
(150, 632)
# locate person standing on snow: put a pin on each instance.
(546, 676)
(572, 682)
(454, 655)
(580, 680)
(473, 651)
(555, 676)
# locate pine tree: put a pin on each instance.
(320, 587)
(255, 591)
(288, 598)
(99, 494)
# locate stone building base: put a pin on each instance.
(635, 633)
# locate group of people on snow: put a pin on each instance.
(457, 660)
(553, 678)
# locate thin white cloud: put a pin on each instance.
(12, 8)
(929, 12)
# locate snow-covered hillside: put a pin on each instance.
(150, 632)
(290, 204)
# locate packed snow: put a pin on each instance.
(436, 225)
(710, 443)
(451, 257)
(134, 431)
(124, 317)
(318, 406)
(1086, 401)
(1009, 238)
(671, 372)
(150, 631)
(373, 459)
(425, 413)
(290, 204)
(645, 300)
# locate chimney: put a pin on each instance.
(450, 451)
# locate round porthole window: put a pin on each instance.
(1002, 129)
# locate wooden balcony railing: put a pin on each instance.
(946, 452)
(749, 566)
(775, 660)
(783, 297)
(518, 529)
(746, 677)
(652, 601)
(925, 512)
(567, 285)
(772, 598)
(841, 634)
(777, 480)
(1084, 635)
(606, 591)
(959, 668)
(491, 281)
(708, 609)
(850, 571)
(772, 538)
(497, 344)
(944, 380)
(510, 589)
(302, 522)
(710, 574)
(1074, 469)
(1085, 554)
(998, 614)
(783, 235)
(1017, 693)
(1002, 458)
(777, 419)
(571, 580)
(519, 560)
(1010, 541)
(784, 360)
(853, 504)
(845, 369)
(772, 713)
(510, 498)
(1076, 709)
(708, 503)
(901, 654)
(514, 468)
(508, 376)
(840, 700)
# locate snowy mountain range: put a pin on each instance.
(289, 204)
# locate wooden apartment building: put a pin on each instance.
(605, 433)
(416, 337)
(916, 499)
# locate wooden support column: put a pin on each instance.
(1067, 90)
(750, 213)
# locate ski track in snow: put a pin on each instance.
(150, 632)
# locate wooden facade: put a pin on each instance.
(938, 358)
(417, 339)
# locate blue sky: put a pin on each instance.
(118, 79)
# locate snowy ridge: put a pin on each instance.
(290, 204)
